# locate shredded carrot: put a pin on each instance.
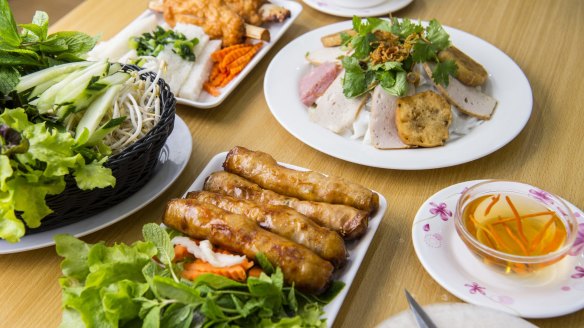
(480, 226)
(233, 55)
(236, 272)
(494, 201)
(526, 216)
(220, 54)
(540, 234)
(211, 89)
(498, 238)
(518, 219)
(237, 65)
(515, 239)
(180, 253)
(256, 271)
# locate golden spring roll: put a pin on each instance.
(262, 169)
(285, 222)
(349, 222)
(239, 234)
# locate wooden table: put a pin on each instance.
(544, 37)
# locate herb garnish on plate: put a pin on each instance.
(385, 51)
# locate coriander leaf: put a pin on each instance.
(423, 51)
(94, 175)
(437, 36)
(362, 45)
(8, 30)
(9, 77)
(77, 42)
(442, 71)
(357, 24)
(405, 28)
(264, 263)
(291, 298)
(75, 253)
(354, 81)
(388, 66)
(400, 87)
(386, 78)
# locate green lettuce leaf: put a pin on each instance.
(11, 228)
(75, 253)
(30, 197)
(94, 175)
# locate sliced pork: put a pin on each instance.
(382, 120)
(333, 110)
(316, 82)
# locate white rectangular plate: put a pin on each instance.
(276, 31)
(357, 249)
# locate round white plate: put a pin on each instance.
(174, 157)
(555, 291)
(507, 84)
(387, 7)
(458, 315)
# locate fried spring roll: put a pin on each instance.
(283, 221)
(240, 234)
(349, 222)
(261, 168)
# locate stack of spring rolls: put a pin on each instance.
(299, 220)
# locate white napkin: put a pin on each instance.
(455, 315)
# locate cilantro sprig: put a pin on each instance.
(120, 285)
(26, 48)
(420, 43)
(152, 43)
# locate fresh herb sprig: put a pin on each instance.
(152, 43)
(121, 285)
(32, 48)
(420, 44)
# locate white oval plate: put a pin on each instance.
(174, 157)
(507, 84)
(387, 7)
(357, 248)
(555, 291)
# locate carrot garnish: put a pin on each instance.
(180, 253)
(540, 234)
(494, 201)
(232, 56)
(518, 219)
(526, 216)
(220, 54)
(256, 271)
(211, 89)
(515, 239)
(229, 62)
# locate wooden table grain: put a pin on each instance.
(545, 39)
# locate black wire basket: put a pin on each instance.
(132, 168)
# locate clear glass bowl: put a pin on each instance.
(503, 261)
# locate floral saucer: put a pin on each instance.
(554, 291)
(384, 8)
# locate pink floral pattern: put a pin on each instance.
(442, 210)
(541, 195)
(427, 227)
(579, 272)
(579, 243)
(475, 288)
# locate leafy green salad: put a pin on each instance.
(385, 51)
(60, 117)
(138, 285)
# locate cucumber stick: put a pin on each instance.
(32, 80)
(97, 110)
(106, 129)
(74, 89)
(47, 99)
